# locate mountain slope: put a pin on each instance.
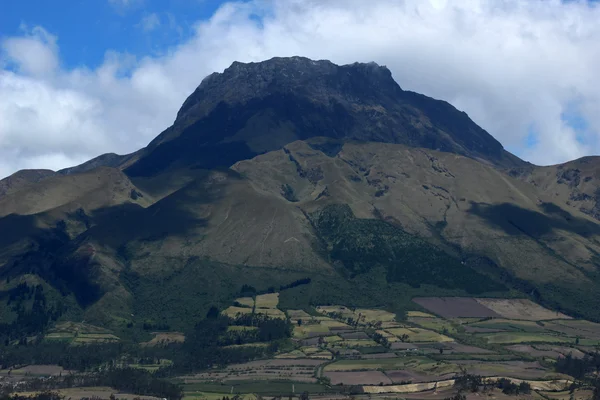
(291, 169)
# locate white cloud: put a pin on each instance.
(511, 65)
(149, 22)
(33, 53)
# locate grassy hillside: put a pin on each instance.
(370, 224)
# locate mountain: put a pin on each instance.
(328, 182)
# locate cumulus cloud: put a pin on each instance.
(523, 70)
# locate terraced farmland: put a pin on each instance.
(512, 338)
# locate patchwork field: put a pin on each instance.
(80, 333)
(302, 370)
(453, 307)
(421, 355)
(262, 304)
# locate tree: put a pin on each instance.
(524, 388)
(212, 313)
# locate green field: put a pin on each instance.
(524, 337)
(435, 324)
(384, 363)
(511, 325)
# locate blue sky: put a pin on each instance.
(79, 78)
(88, 28)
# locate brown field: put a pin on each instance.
(292, 354)
(409, 388)
(453, 347)
(511, 369)
(419, 335)
(246, 301)
(575, 328)
(358, 378)
(545, 350)
(69, 326)
(399, 376)
(301, 370)
(391, 338)
(233, 311)
(309, 331)
(269, 300)
(165, 337)
(39, 370)
(297, 314)
(454, 307)
(579, 394)
(321, 355)
(374, 315)
(403, 346)
(95, 338)
(520, 309)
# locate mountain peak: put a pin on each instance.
(316, 78)
(253, 108)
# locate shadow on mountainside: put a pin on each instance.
(515, 220)
(69, 265)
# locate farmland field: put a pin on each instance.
(436, 324)
(511, 338)
(419, 314)
(358, 378)
(165, 337)
(270, 300)
(520, 309)
(509, 325)
(452, 307)
(381, 354)
(419, 335)
(524, 337)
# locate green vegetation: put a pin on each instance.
(362, 244)
(525, 337)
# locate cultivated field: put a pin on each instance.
(521, 309)
(80, 333)
(262, 304)
(421, 355)
(452, 307)
(161, 338)
(299, 370)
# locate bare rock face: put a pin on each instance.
(250, 109)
